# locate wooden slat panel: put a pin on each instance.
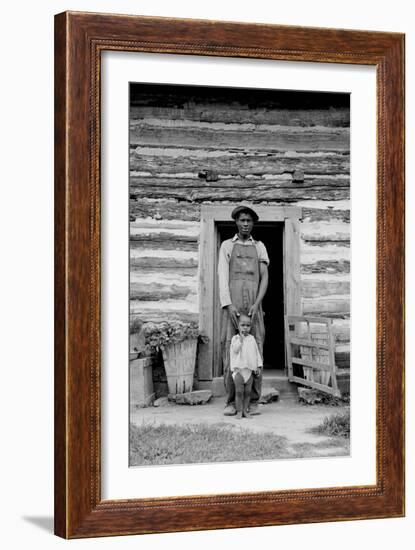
(288, 351)
(332, 360)
(307, 342)
(315, 385)
(312, 364)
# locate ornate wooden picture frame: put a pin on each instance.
(80, 38)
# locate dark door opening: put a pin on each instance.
(271, 234)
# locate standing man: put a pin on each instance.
(243, 281)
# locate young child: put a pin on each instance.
(245, 362)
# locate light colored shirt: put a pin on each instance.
(244, 357)
(225, 254)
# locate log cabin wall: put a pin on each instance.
(191, 146)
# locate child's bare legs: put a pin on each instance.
(239, 394)
(247, 396)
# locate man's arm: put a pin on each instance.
(224, 292)
(263, 285)
(223, 276)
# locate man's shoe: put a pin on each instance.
(229, 410)
(254, 409)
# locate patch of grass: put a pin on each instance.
(337, 425)
(335, 446)
(198, 443)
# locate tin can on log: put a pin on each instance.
(179, 362)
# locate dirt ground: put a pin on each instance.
(287, 418)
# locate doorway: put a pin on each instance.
(279, 230)
(271, 234)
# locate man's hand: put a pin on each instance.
(253, 311)
(233, 314)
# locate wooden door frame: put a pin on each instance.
(209, 312)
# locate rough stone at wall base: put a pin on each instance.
(268, 395)
(146, 401)
(161, 402)
(198, 397)
(310, 397)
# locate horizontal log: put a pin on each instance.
(320, 239)
(326, 266)
(266, 192)
(219, 112)
(325, 277)
(313, 252)
(186, 275)
(329, 215)
(166, 209)
(153, 292)
(282, 138)
(147, 316)
(183, 265)
(180, 227)
(161, 236)
(192, 183)
(171, 209)
(241, 126)
(325, 232)
(315, 289)
(327, 241)
(171, 161)
(166, 244)
(327, 306)
(163, 240)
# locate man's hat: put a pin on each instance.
(243, 208)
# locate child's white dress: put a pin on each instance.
(245, 357)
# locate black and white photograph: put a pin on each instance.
(239, 274)
(208, 235)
